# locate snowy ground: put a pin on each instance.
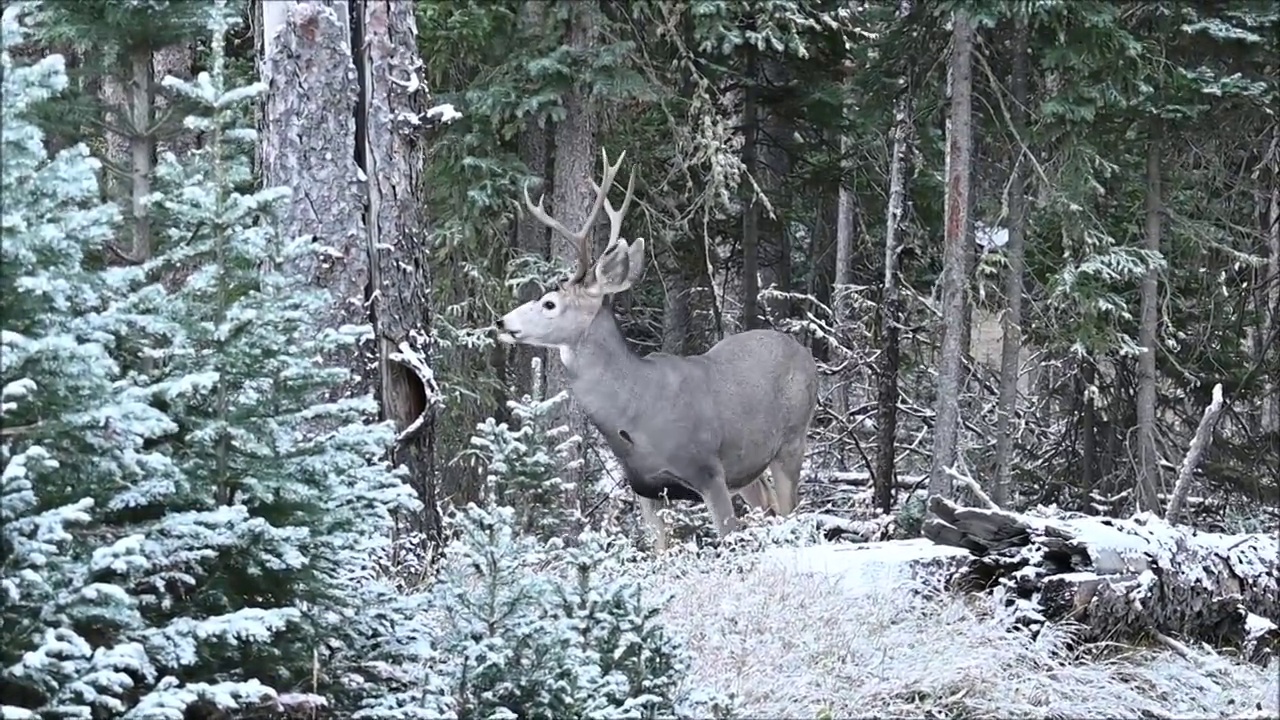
(845, 631)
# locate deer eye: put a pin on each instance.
(549, 304)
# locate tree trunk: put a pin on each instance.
(392, 156)
(887, 367)
(1271, 297)
(840, 300)
(1121, 579)
(1088, 427)
(576, 167)
(751, 214)
(1148, 480)
(955, 260)
(142, 148)
(532, 237)
(677, 315)
(309, 145)
(1011, 340)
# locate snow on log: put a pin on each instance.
(1121, 578)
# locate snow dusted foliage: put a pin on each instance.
(68, 644)
(537, 630)
(189, 521)
(523, 465)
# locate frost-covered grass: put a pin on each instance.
(790, 643)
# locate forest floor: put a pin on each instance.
(840, 630)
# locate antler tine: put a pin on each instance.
(541, 215)
(616, 216)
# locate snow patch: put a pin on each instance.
(861, 568)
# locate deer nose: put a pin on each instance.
(498, 324)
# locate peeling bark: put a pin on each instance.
(392, 155)
(1121, 579)
(343, 130)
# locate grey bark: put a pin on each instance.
(142, 148)
(397, 241)
(1148, 480)
(1011, 340)
(955, 261)
(751, 214)
(887, 366)
(677, 316)
(1121, 579)
(1271, 298)
(1195, 454)
(309, 145)
(576, 165)
(532, 237)
(840, 300)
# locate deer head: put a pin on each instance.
(561, 317)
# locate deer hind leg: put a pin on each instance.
(759, 495)
(785, 470)
(649, 509)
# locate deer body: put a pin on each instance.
(701, 427)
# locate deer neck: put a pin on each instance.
(605, 377)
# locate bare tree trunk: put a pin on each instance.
(840, 300)
(1148, 481)
(309, 145)
(1271, 298)
(576, 167)
(1088, 427)
(392, 156)
(532, 237)
(900, 161)
(142, 148)
(751, 214)
(1011, 341)
(677, 316)
(955, 260)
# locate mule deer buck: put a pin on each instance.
(683, 428)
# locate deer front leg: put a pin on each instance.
(649, 509)
(720, 502)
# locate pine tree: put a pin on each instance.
(67, 632)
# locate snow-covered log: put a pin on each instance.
(1121, 578)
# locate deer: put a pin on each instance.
(683, 428)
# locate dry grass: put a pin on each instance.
(787, 644)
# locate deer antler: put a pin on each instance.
(582, 237)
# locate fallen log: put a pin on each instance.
(1121, 579)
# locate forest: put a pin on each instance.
(326, 393)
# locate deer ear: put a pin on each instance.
(613, 269)
(635, 262)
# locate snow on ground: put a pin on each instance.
(842, 631)
(860, 568)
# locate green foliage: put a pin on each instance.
(539, 631)
(523, 465)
